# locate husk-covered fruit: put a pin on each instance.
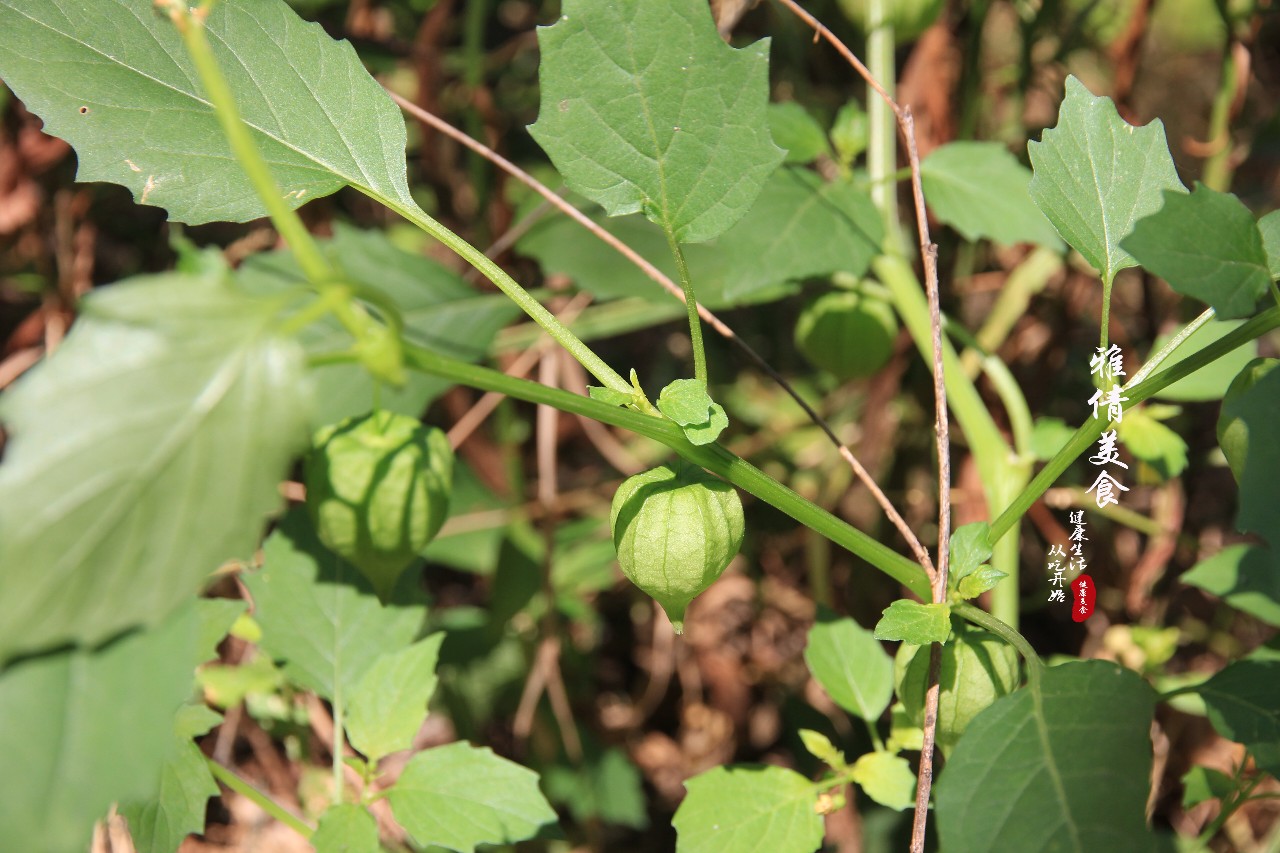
(847, 333)
(378, 490)
(675, 529)
(977, 668)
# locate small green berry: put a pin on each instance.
(675, 529)
(378, 491)
(847, 333)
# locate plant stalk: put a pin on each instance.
(712, 457)
(268, 805)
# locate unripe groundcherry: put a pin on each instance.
(378, 491)
(675, 528)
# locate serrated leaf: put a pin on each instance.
(913, 622)
(1063, 767)
(346, 828)
(160, 824)
(799, 228)
(608, 788)
(796, 131)
(390, 700)
(821, 748)
(976, 583)
(459, 796)
(1200, 784)
(1095, 175)
(171, 408)
(1211, 381)
(645, 109)
(1269, 228)
(887, 779)
(136, 114)
(440, 312)
(319, 614)
(748, 809)
(1206, 245)
(1246, 432)
(1153, 442)
(851, 666)
(89, 728)
(1243, 702)
(970, 548)
(980, 189)
(1245, 576)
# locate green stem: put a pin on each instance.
(1104, 330)
(1025, 281)
(339, 739)
(999, 468)
(310, 258)
(1172, 346)
(268, 805)
(1229, 807)
(712, 457)
(1217, 168)
(1137, 392)
(1004, 383)
(544, 318)
(691, 307)
(882, 148)
(1005, 632)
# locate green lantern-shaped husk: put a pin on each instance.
(378, 491)
(675, 529)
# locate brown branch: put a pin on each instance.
(929, 258)
(917, 549)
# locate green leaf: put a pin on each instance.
(793, 129)
(970, 548)
(440, 312)
(887, 779)
(89, 728)
(1246, 431)
(645, 109)
(1153, 442)
(608, 788)
(747, 808)
(1095, 176)
(687, 402)
(1064, 766)
(228, 685)
(1201, 784)
(171, 408)
(850, 132)
(1211, 381)
(1245, 576)
(1048, 436)
(821, 748)
(1243, 703)
(459, 796)
(319, 614)
(975, 669)
(1206, 245)
(913, 622)
(346, 828)
(851, 666)
(980, 189)
(799, 228)
(981, 580)
(159, 825)
(1269, 228)
(136, 114)
(390, 700)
